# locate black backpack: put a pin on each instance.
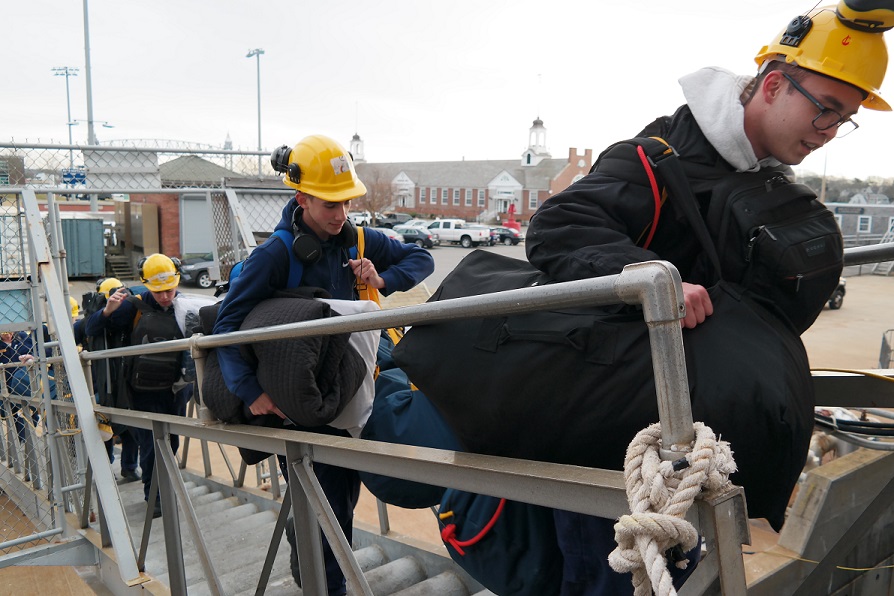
(153, 372)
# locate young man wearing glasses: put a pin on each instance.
(811, 81)
(733, 130)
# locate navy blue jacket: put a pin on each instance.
(266, 270)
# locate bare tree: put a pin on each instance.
(378, 195)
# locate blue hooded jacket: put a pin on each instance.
(266, 270)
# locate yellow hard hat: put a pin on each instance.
(320, 167)
(75, 309)
(841, 43)
(106, 286)
(159, 272)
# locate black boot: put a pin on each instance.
(293, 555)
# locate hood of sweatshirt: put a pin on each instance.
(714, 96)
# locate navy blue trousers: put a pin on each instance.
(157, 402)
(130, 451)
(342, 489)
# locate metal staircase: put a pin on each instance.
(237, 526)
(885, 267)
(119, 266)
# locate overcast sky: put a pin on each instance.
(418, 80)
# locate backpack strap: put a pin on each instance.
(650, 151)
(657, 157)
(671, 171)
(296, 267)
(140, 307)
(364, 291)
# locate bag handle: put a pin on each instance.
(448, 534)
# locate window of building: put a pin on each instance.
(864, 224)
(468, 197)
(456, 196)
(481, 197)
(443, 196)
(532, 199)
(421, 195)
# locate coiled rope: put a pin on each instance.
(659, 494)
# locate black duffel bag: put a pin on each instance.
(575, 385)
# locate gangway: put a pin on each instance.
(73, 465)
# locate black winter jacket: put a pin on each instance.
(591, 228)
(599, 225)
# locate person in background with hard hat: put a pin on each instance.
(811, 81)
(149, 381)
(322, 173)
(107, 382)
(17, 347)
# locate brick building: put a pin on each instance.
(476, 190)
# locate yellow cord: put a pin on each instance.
(794, 558)
(865, 373)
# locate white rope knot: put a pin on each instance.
(659, 497)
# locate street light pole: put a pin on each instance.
(91, 135)
(67, 71)
(257, 52)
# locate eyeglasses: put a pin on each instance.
(827, 118)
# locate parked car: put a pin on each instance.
(419, 236)
(508, 236)
(360, 218)
(493, 236)
(458, 231)
(389, 220)
(418, 223)
(837, 297)
(197, 270)
(390, 233)
(201, 270)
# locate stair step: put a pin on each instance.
(443, 584)
(395, 576)
(370, 557)
(238, 533)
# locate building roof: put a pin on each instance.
(467, 174)
(191, 170)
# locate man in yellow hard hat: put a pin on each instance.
(724, 158)
(314, 246)
(149, 380)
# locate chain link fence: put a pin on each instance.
(80, 170)
(43, 462)
(28, 514)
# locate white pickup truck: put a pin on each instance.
(456, 231)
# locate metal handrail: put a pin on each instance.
(654, 285)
